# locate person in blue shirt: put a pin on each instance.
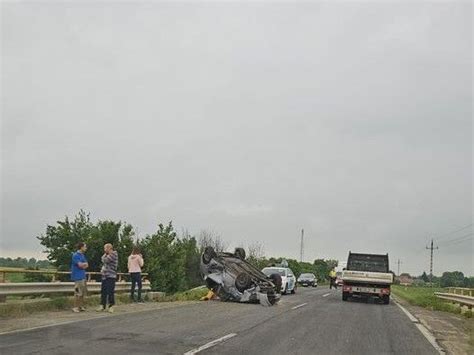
(79, 265)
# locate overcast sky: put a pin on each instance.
(350, 120)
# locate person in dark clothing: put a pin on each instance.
(109, 274)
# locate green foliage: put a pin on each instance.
(322, 268)
(25, 263)
(60, 241)
(425, 297)
(190, 295)
(172, 262)
(30, 277)
(452, 279)
(319, 267)
(425, 277)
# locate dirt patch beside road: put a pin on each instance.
(455, 333)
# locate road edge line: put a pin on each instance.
(210, 344)
(423, 330)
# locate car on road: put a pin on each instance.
(308, 279)
(232, 278)
(288, 278)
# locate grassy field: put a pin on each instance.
(17, 277)
(425, 297)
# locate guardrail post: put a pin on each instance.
(2, 280)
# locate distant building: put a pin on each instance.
(405, 280)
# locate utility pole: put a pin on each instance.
(431, 248)
(302, 246)
(399, 262)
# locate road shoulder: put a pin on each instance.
(53, 318)
(452, 332)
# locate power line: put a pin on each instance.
(457, 242)
(457, 239)
(453, 232)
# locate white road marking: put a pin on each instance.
(327, 294)
(299, 306)
(210, 344)
(426, 333)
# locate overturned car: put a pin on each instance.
(232, 278)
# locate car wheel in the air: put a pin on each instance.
(208, 255)
(240, 253)
(243, 281)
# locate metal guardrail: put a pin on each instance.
(55, 273)
(462, 296)
(461, 291)
(36, 288)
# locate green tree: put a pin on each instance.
(425, 277)
(322, 268)
(164, 259)
(60, 241)
(452, 279)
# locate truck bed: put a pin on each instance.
(366, 277)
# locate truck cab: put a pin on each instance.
(367, 275)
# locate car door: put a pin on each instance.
(291, 279)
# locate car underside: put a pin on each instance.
(232, 278)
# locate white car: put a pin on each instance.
(288, 278)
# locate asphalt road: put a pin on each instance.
(314, 321)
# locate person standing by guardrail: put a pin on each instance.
(78, 275)
(109, 274)
(135, 264)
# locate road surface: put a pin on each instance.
(314, 321)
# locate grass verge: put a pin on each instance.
(190, 295)
(425, 297)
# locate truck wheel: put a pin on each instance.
(208, 255)
(386, 299)
(345, 296)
